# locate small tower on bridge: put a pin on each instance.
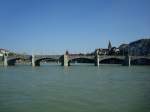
(67, 52)
(65, 59)
(5, 59)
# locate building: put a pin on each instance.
(1, 54)
(108, 51)
(102, 51)
(114, 51)
(3, 51)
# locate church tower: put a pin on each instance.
(109, 45)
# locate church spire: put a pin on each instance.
(109, 45)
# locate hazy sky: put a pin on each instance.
(53, 26)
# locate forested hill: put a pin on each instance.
(139, 47)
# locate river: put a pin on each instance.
(78, 88)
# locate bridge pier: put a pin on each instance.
(33, 61)
(127, 61)
(65, 60)
(58, 62)
(5, 61)
(97, 60)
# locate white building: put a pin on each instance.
(1, 54)
(3, 51)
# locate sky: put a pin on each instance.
(54, 26)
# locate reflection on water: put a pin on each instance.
(53, 88)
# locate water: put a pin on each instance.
(75, 89)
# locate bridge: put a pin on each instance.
(36, 59)
(67, 59)
(11, 60)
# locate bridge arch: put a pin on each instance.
(12, 61)
(80, 60)
(111, 61)
(38, 61)
(140, 61)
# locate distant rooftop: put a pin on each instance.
(1, 49)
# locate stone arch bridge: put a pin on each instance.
(97, 59)
(66, 59)
(36, 59)
(11, 60)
